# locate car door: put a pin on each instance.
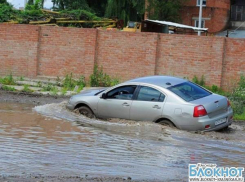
(117, 102)
(148, 104)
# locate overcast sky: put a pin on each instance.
(20, 3)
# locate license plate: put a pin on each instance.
(220, 121)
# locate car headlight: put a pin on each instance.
(71, 99)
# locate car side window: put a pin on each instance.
(150, 94)
(123, 93)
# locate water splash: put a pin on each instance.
(126, 127)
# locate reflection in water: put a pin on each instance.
(35, 144)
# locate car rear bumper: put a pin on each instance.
(209, 124)
(221, 126)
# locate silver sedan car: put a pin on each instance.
(162, 99)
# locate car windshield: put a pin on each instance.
(99, 92)
(189, 91)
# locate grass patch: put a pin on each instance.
(79, 89)
(50, 88)
(46, 88)
(240, 116)
(7, 80)
(7, 88)
(21, 78)
(26, 89)
(54, 91)
(63, 91)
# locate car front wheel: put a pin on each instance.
(86, 112)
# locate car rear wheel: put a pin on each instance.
(166, 123)
(86, 111)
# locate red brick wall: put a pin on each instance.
(52, 51)
(188, 56)
(216, 12)
(127, 55)
(18, 50)
(234, 61)
(65, 50)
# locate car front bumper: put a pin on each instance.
(70, 106)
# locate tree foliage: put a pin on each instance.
(123, 9)
(70, 4)
(6, 11)
(31, 12)
(3, 1)
(97, 6)
(167, 10)
(126, 9)
(33, 2)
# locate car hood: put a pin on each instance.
(91, 91)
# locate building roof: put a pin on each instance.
(178, 25)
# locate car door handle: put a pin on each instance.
(125, 104)
(156, 107)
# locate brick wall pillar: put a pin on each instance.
(33, 55)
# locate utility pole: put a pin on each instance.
(25, 3)
(200, 17)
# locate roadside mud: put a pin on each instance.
(46, 142)
(29, 98)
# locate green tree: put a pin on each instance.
(3, 1)
(71, 4)
(167, 10)
(6, 11)
(39, 2)
(97, 6)
(126, 9)
(30, 2)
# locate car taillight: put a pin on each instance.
(199, 111)
(228, 103)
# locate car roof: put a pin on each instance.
(162, 81)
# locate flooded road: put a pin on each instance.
(51, 141)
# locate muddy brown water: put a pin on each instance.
(52, 141)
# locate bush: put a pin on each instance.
(237, 97)
(69, 83)
(100, 79)
(200, 82)
(213, 88)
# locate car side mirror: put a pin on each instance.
(103, 96)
